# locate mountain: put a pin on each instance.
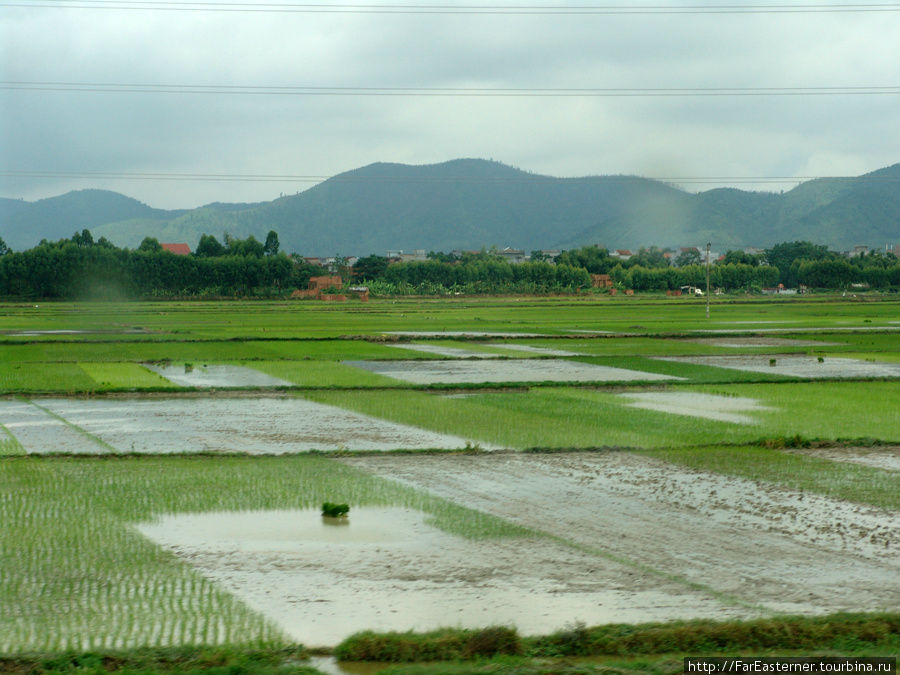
(23, 224)
(472, 203)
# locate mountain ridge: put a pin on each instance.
(473, 203)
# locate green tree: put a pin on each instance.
(150, 245)
(248, 247)
(4, 249)
(271, 246)
(83, 239)
(784, 255)
(740, 258)
(369, 268)
(690, 256)
(649, 258)
(209, 247)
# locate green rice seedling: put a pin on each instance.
(9, 444)
(332, 510)
(44, 377)
(124, 376)
(323, 374)
(90, 580)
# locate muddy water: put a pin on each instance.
(497, 370)
(251, 425)
(795, 366)
(786, 551)
(388, 570)
(708, 406)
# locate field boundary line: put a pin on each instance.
(84, 432)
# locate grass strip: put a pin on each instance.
(182, 659)
(844, 633)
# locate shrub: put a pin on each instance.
(493, 640)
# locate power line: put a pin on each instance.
(270, 7)
(516, 92)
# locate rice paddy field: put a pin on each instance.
(528, 462)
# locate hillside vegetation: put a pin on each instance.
(472, 203)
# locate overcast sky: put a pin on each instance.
(57, 129)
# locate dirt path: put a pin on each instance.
(787, 551)
(879, 457)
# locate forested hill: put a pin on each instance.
(23, 224)
(471, 203)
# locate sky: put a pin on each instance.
(155, 99)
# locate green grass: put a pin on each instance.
(838, 480)
(74, 575)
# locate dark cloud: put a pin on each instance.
(264, 134)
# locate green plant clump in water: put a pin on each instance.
(335, 510)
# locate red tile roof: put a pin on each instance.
(177, 249)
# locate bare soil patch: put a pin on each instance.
(808, 367)
(253, 425)
(708, 406)
(387, 569)
(879, 457)
(784, 551)
(503, 370)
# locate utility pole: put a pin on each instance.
(707, 279)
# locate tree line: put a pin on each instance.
(80, 267)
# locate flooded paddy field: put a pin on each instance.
(217, 376)
(388, 569)
(743, 541)
(502, 370)
(694, 404)
(806, 367)
(253, 425)
(168, 547)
